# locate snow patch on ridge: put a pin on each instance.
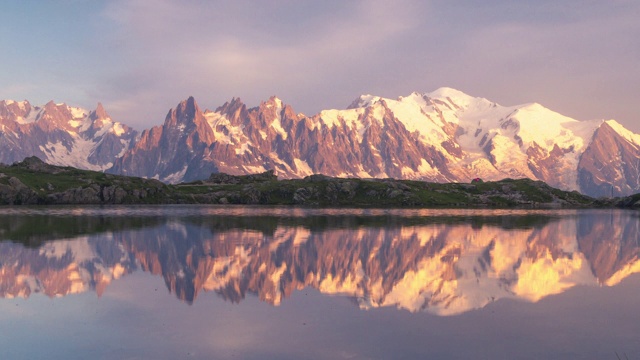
(244, 148)
(350, 118)
(303, 168)
(118, 129)
(364, 101)
(75, 123)
(31, 116)
(461, 98)
(58, 154)
(410, 111)
(254, 169)
(545, 127)
(276, 124)
(77, 113)
(628, 135)
(225, 133)
(177, 176)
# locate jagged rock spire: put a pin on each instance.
(99, 113)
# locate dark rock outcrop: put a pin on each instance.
(610, 166)
(222, 178)
(34, 182)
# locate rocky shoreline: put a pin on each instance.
(33, 182)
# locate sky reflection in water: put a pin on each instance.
(336, 276)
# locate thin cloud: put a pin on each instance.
(139, 58)
(226, 58)
(571, 66)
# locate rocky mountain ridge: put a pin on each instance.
(442, 136)
(61, 135)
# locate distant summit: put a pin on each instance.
(61, 135)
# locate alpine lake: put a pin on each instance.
(243, 282)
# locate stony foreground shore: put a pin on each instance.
(33, 182)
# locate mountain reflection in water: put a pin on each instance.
(444, 262)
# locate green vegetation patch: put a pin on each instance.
(40, 183)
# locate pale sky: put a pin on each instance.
(141, 57)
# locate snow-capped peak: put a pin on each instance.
(459, 99)
(274, 101)
(617, 127)
(447, 92)
(364, 101)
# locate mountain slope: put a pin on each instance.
(61, 135)
(441, 136)
(611, 163)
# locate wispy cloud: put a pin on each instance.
(570, 62)
(222, 50)
(142, 57)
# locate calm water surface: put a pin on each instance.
(190, 282)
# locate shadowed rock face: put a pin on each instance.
(610, 166)
(273, 136)
(546, 165)
(444, 265)
(167, 152)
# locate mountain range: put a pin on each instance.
(441, 136)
